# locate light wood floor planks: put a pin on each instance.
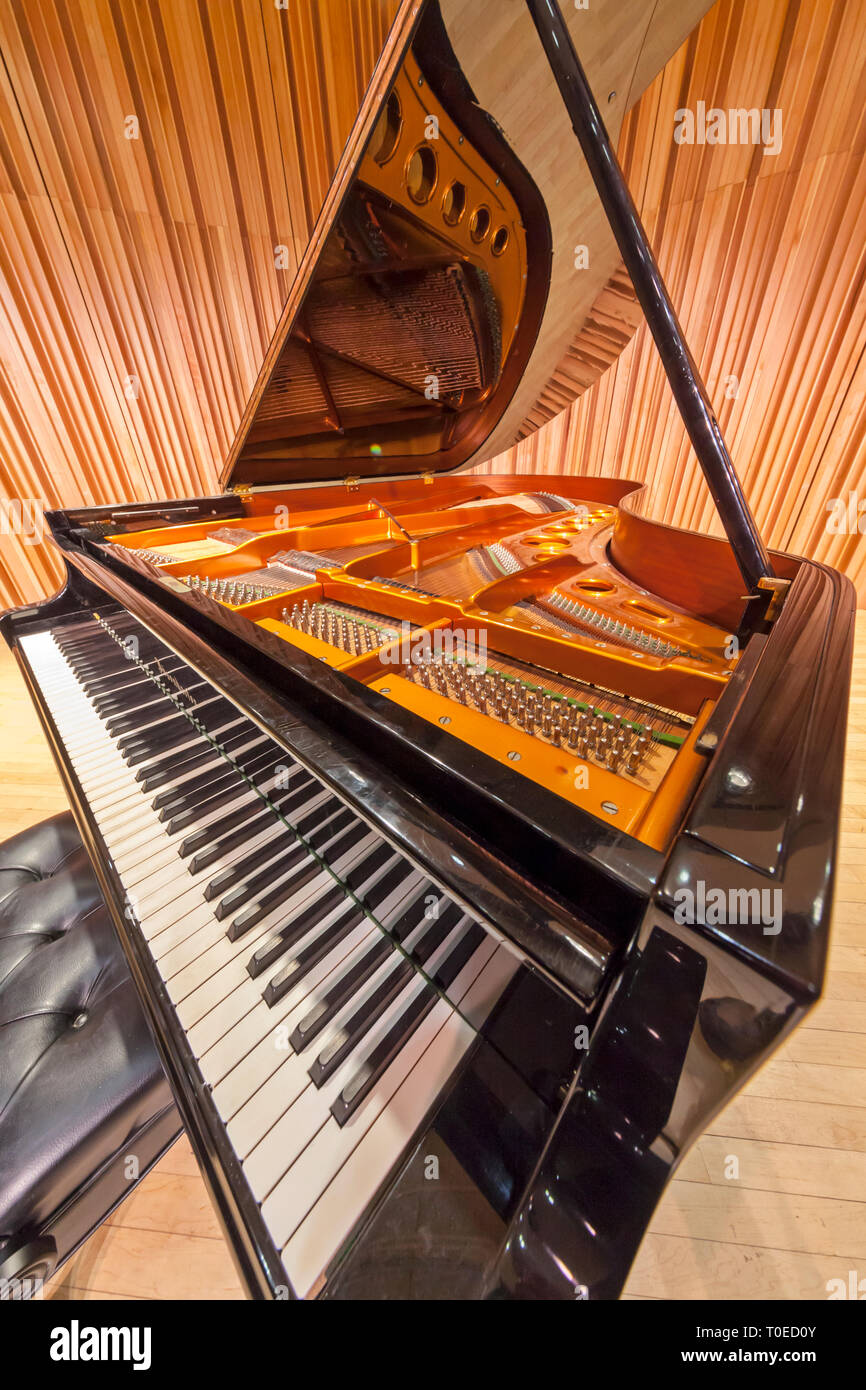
(795, 1217)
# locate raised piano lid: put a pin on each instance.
(440, 287)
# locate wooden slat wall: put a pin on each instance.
(764, 256)
(140, 279)
(138, 283)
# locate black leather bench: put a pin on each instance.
(85, 1109)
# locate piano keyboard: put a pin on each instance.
(328, 989)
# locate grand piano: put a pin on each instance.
(470, 836)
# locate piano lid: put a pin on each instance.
(443, 281)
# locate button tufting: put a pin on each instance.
(79, 1021)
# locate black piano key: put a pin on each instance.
(229, 788)
(331, 845)
(339, 994)
(284, 802)
(155, 775)
(136, 722)
(133, 715)
(278, 942)
(208, 713)
(210, 708)
(355, 1029)
(319, 837)
(284, 855)
(158, 738)
(121, 692)
(376, 859)
(103, 662)
(138, 732)
(201, 838)
(349, 982)
(414, 914)
(167, 744)
(439, 930)
(128, 696)
(309, 823)
(460, 955)
(174, 733)
(267, 902)
(222, 791)
(278, 854)
(384, 887)
(212, 761)
(70, 640)
(103, 685)
(122, 686)
(233, 733)
(307, 959)
(346, 840)
(133, 700)
(301, 873)
(354, 1092)
(189, 795)
(281, 809)
(262, 818)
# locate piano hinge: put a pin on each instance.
(427, 479)
(777, 589)
(241, 489)
(352, 484)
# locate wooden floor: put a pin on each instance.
(795, 1217)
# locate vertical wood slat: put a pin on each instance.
(142, 278)
(765, 258)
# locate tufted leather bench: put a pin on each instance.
(85, 1109)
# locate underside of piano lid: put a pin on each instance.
(555, 707)
(460, 248)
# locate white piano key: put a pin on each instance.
(307, 1106)
(359, 1163)
(313, 1176)
(239, 1063)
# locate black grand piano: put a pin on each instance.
(470, 837)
